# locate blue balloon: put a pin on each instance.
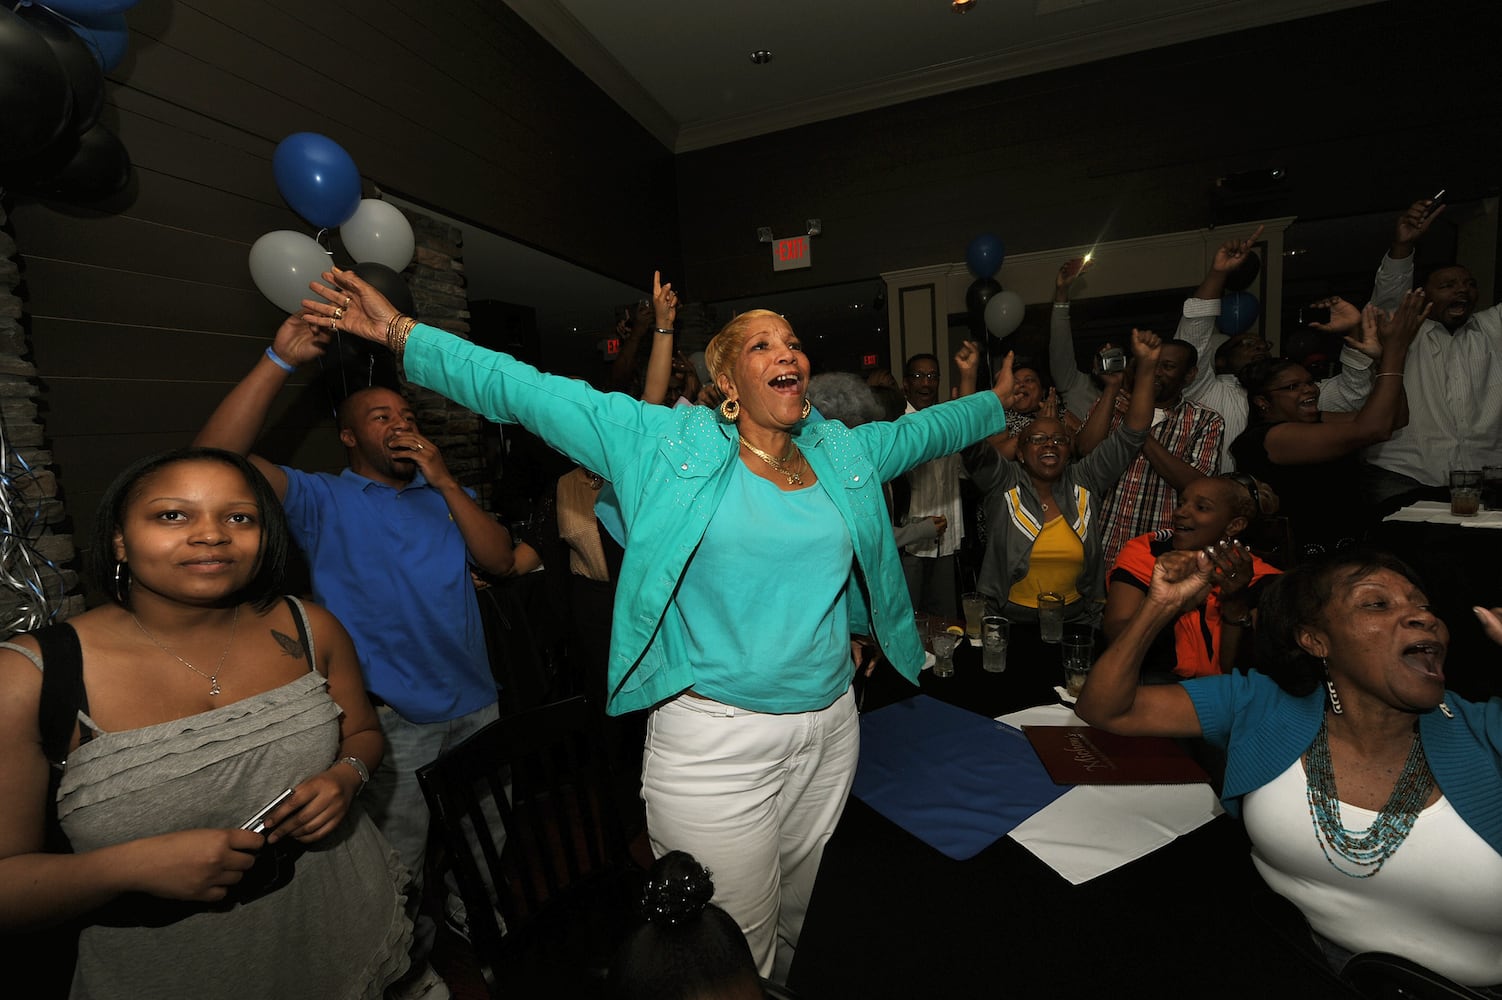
(318, 178)
(105, 35)
(89, 8)
(1238, 311)
(985, 255)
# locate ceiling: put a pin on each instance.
(683, 68)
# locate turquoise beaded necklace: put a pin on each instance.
(1369, 849)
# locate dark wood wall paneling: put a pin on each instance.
(1366, 109)
(143, 316)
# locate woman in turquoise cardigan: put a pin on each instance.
(757, 547)
(1371, 795)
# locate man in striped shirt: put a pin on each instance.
(1183, 445)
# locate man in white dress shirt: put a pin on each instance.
(930, 566)
(1453, 376)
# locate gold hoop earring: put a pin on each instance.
(808, 407)
(730, 409)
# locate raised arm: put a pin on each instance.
(1395, 273)
(1339, 434)
(1113, 698)
(1359, 353)
(599, 431)
(1077, 388)
(236, 422)
(1198, 320)
(660, 361)
(632, 334)
(1097, 423)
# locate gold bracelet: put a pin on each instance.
(396, 340)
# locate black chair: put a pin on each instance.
(1378, 975)
(567, 888)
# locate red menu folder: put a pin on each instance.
(1081, 755)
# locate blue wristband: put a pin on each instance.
(289, 369)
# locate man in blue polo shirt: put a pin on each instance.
(389, 543)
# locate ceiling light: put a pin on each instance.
(763, 56)
(962, 6)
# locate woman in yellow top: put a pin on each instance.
(1043, 530)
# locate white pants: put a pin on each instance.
(754, 798)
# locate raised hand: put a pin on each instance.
(967, 358)
(1146, 346)
(1231, 566)
(1402, 325)
(1003, 386)
(1181, 580)
(346, 302)
(297, 341)
(1491, 623)
(664, 302)
(1344, 317)
(1232, 253)
(1069, 271)
(1050, 405)
(1415, 221)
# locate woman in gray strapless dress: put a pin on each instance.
(204, 695)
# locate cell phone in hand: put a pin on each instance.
(257, 823)
(1435, 202)
(1112, 359)
(1309, 315)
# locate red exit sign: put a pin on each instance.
(869, 361)
(791, 254)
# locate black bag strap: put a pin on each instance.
(63, 697)
(300, 616)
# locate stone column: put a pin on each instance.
(37, 584)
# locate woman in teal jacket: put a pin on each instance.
(756, 546)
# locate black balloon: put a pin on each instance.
(35, 99)
(389, 283)
(84, 167)
(979, 293)
(85, 78)
(1242, 278)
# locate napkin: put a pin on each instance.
(1095, 829)
(955, 780)
(1436, 512)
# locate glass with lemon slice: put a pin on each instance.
(944, 643)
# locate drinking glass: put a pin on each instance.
(1465, 492)
(921, 623)
(944, 643)
(1050, 616)
(1078, 647)
(975, 610)
(995, 634)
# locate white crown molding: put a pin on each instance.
(563, 31)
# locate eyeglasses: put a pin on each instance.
(1042, 439)
(924, 376)
(1249, 484)
(1307, 383)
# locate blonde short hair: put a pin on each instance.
(719, 355)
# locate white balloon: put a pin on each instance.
(1004, 313)
(283, 263)
(378, 233)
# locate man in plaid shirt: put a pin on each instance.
(1183, 445)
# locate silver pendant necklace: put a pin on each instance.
(213, 678)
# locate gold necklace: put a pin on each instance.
(213, 678)
(780, 464)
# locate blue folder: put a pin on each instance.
(957, 781)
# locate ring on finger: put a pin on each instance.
(338, 313)
(334, 325)
(347, 301)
